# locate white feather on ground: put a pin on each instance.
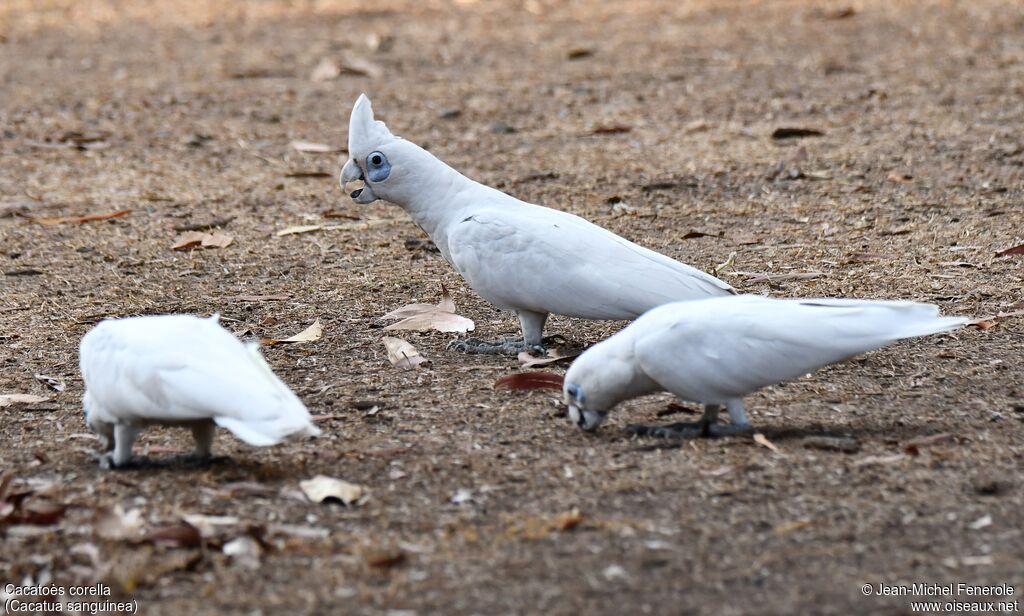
(718, 350)
(183, 370)
(521, 257)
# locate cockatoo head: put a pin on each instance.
(594, 384)
(390, 167)
(103, 429)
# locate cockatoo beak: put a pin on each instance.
(351, 173)
(585, 419)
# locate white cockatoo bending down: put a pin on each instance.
(187, 371)
(521, 257)
(718, 350)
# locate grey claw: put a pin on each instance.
(106, 461)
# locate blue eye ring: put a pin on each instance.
(377, 167)
(574, 392)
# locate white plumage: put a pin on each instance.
(182, 370)
(716, 351)
(521, 257)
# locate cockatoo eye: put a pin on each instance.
(377, 167)
(574, 392)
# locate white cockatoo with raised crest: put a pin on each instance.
(525, 258)
(187, 371)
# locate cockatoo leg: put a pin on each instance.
(203, 434)
(121, 455)
(705, 427)
(532, 324)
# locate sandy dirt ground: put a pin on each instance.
(652, 118)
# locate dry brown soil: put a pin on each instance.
(652, 118)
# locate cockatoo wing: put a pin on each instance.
(715, 350)
(547, 261)
(179, 369)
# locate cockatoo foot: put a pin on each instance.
(690, 429)
(505, 346)
(106, 462)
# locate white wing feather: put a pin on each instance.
(718, 349)
(542, 260)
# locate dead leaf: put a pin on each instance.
(298, 229)
(693, 234)
(310, 147)
(116, 523)
(323, 488)
(792, 132)
(552, 356)
(788, 527)
(325, 70)
(763, 441)
(244, 552)
(12, 399)
(56, 220)
(423, 317)
(990, 321)
(207, 524)
(401, 354)
(530, 380)
(1016, 250)
(567, 520)
(310, 334)
(697, 126)
(51, 381)
(899, 177)
(191, 239)
(180, 535)
(578, 53)
(436, 320)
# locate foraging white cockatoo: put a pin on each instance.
(187, 371)
(716, 351)
(521, 257)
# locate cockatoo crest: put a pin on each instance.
(364, 133)
(390, 167)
